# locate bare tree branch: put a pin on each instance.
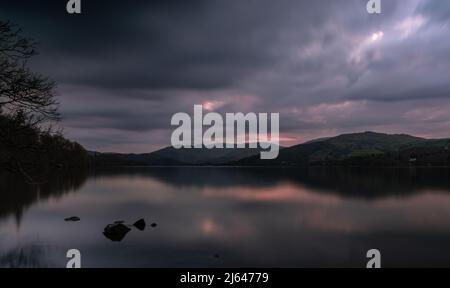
(20, 89)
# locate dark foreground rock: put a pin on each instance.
(116, 232)
(72, 219)
(140, 224)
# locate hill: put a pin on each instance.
(170, 156)
(358, 149)
(361, 149)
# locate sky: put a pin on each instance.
(123, 68)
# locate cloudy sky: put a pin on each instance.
(328, 67)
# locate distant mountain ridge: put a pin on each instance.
(360, 149)
(365, 149)
(170, 156)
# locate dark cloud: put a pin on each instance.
(436, 10)
(124, 67)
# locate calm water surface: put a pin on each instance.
(230, 217)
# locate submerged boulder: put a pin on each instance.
(72, 219)
(140, 224)
(116, 232)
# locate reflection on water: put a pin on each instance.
(28, 256)
(251, 217)
(17, 194)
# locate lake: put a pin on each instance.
(230, 217)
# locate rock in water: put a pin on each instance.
(116, 232)
(72, 219)
(140, 224)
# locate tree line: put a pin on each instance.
(30, 141)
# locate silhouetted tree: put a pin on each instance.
(28, 110)
(22, 91)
